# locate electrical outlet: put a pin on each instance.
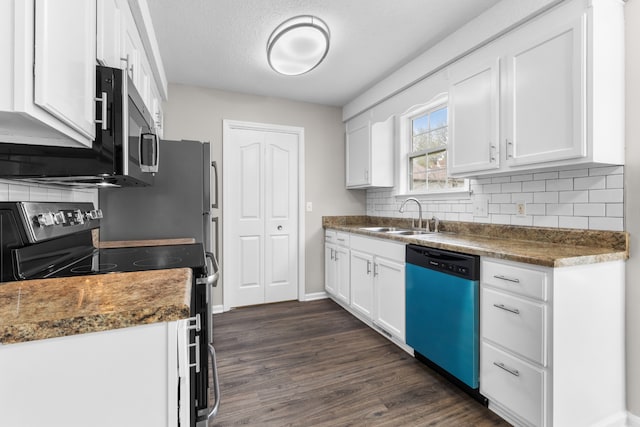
(481, 206)
(521, 208)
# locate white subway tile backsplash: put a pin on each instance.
(512, 187)
(606, 196)
(590, 183)
(546, 197)
(533, 186)
(573, 222)
(615, 210)
(545, 221)
(615, 181)
(576, 198)
(606, 170)
(605, 223)
(573, 196)
(589, 209)
(574, 173)
(565, 209)
(559, 184)
(501, 198)
(545, 175)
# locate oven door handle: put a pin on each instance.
(213, 410)
(213, 278)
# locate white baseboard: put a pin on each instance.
(633, 420)
(217, 309)
(315, 296)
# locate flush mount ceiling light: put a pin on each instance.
(298, 45)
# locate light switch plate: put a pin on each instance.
(309, 206)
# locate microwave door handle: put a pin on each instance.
(103, 118)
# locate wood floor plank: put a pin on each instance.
(314, 364)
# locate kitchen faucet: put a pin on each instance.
(419, 211)
(436, 223)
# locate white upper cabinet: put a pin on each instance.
(369, 153)
(474, 115)
(47, 81)
(64, 70)
(109, 33)
(545, 92)
(558, 94)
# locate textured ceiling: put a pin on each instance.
(221, 44)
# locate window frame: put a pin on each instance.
(405, 141)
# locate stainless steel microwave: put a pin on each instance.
(124, 153)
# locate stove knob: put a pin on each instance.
(94, 214)
(59, 218)
(78, 216)
(45, 219)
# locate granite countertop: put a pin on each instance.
(47, 308)
(550, 247)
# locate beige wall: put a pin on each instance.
(632, 202)
(197, 113)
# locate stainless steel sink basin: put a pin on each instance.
(408, 232)
(380, 229)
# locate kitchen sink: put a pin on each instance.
(408, 232)
(381, 229)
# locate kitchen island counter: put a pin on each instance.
(532, 245)
(47, 308)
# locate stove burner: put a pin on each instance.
(88, 268)
(157, 262)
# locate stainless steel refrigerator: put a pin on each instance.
(177, 205)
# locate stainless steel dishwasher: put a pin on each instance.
(442, 313)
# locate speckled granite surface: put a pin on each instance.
(550, 247)
(47, 308)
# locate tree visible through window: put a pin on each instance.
(428, 153)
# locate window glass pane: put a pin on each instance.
(420, 124)
(438, 137)
(418, 173)
(437, 175)
(421, 142)
(438, 118)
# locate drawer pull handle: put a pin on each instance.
(508, 279)
(505, 308)
(513, 372)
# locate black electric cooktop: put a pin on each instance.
(127, 259)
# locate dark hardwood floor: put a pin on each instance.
(313, 364)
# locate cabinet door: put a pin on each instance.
(389, 311)
(474, 120)
(342, 274)
(65, 58)
(358, 156)
(546, 96)
(109, 33)
(330, 269)
(362, 282)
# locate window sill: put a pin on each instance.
(464, 194)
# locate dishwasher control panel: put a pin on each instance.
(454, 263)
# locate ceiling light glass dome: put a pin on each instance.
(298, 45)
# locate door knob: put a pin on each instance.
(279, 227)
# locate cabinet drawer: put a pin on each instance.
(380, 247)
(512, 383)
(342, 238)
(515, 278)
(514, 323)
(330, 236)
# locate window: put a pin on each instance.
(425, 139)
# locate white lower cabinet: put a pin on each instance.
(377, 284)
(121, 377)
(336, 267)
(552, 343)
